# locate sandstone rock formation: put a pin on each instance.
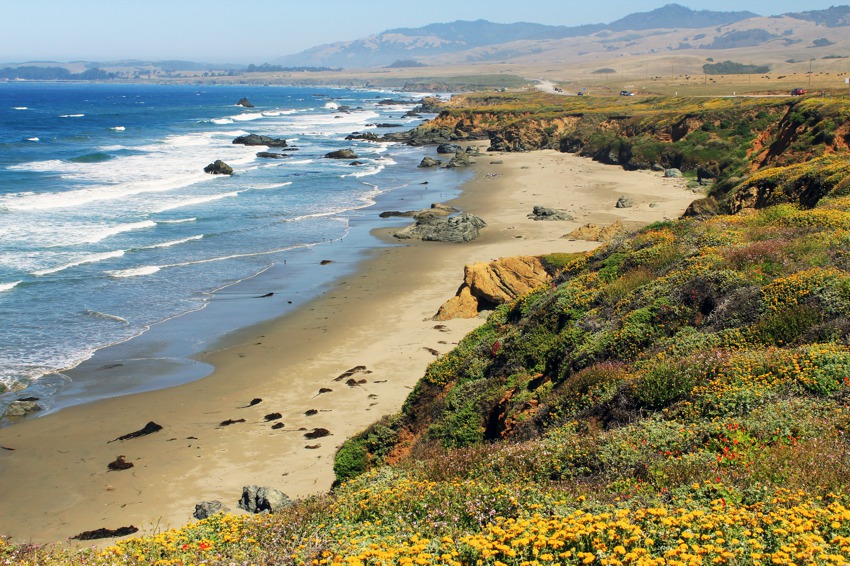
(486, 285)
(596, 233)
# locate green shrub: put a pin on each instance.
(350, 460)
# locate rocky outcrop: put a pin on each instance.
(429, 162)
(432, 228)
(244, 103)
(624, 202)
(545, 213)
(206, 509)
(448, 148)
(254, 139)
(341, 154)
(437, 210)
(673, 173)
(271, 155)
(595, 233)
(218, 167)
(461, 159)
(21, 408)
(486, 285)
(262, 499)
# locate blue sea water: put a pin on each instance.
(121, 258)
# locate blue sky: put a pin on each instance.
(256, 31)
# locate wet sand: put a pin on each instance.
(55, 477)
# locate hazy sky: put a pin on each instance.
(257, 31)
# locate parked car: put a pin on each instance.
(798, 92)
(626, 93)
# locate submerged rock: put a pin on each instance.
(21, 408)
(341, 154)
(254, 139)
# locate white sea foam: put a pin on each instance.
(276, 113)
(174, 242)
(72, 115)
(90, 258)
(98, 235)
(8, 286)
(248, 116)
(33, 139)
(177, 221)
(197, 200)
(365, 172)
(222, 121)
(134, 272)
(270, 187)
(20, 108)
(332, 106)
(107, 316)
(117, 128)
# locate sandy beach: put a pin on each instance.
(54, 469)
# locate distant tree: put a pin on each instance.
(732, 68)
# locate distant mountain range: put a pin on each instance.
(412, 44)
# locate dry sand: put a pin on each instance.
(55, 480)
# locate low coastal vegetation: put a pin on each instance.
(678, 396)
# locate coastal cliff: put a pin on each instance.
(749, 152)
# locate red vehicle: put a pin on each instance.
(798, 92)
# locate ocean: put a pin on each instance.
(120, 259)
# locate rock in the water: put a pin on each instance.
(624, 202)
(430, 162)
(448, 148)
(367, 136)
(546, 213)
(461, 159)
(271, 155)
(219, 167)
(254, 139)
(262, 499)
(244, 103)
(673, 173)
(461, 228)
(341, 154)
(594, 233)
(486, 285)
(21, 408)
(206, 509)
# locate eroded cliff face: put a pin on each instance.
(488, 284)
(723, 142)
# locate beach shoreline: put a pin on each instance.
(377, 318)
